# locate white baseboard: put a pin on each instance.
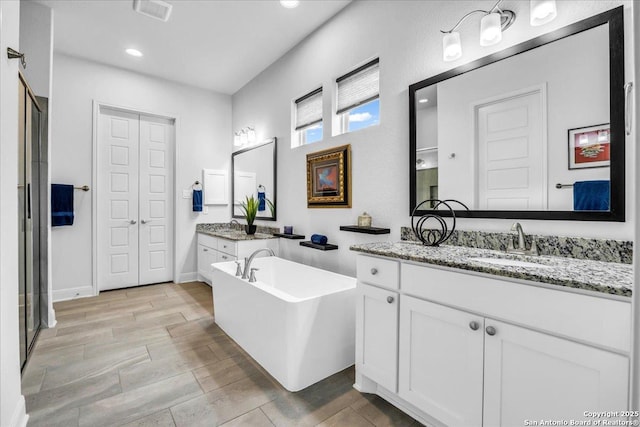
(20, 417)
(188, 277)
(67, 294)
(52, 322)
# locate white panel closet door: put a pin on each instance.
(135, 199)
(156, 195)
(118, 145)
(512, 163)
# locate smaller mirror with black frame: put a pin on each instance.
(254, 174)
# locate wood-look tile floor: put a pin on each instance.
(153, 356)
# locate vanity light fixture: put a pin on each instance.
(251, 135)
(542, 12)
(134, 52)
(493, 23)
(289, 4)
(244, 136)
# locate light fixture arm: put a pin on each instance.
(486, 12)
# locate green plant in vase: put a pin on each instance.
(250, 209)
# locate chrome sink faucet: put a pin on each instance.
(248, 261)
(518, 229)
(522, 246)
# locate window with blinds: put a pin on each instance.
(358, 103)
(308, 118)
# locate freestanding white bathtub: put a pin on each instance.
(297, 321)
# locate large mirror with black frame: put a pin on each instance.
(254, 174)
(536, 131)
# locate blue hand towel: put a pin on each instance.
(261, 201)
(197, 200)
(319, 239)
(591, 195)
(61, 205)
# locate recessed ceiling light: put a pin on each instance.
(134, 52)
(423, 101)
(290, 4)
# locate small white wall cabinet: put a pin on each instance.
(482, 351)
(216, 249)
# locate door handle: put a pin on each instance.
(133, 222)
(145, 221)
(628, 116)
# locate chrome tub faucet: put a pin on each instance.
(248, 261)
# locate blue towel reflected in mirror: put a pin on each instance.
(591, 195)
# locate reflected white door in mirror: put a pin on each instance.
(466, 349)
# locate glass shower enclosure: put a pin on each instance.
(30, 128)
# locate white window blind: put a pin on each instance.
(309, 109)
(359, 86)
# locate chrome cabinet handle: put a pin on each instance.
(374, 271)
(145, 221)
(491, 330)
(474, 325)
(390, 300)
(628, 116)
(205, 250)
(133, 221)
(224, 257)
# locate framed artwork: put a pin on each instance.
(589, 147)
(329, 178)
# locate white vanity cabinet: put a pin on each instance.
(483, 351)
(377, 320)
(213, 249)
(441, 357)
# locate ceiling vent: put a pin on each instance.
(157, 9)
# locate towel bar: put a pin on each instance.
(563, 185)
(83, 188)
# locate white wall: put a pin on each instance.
(406, 36)
(577, 96)
(36, 42)
(203, 136)
(12, 409)
(635, 355)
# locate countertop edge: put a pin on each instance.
(622, 294)
(232, 239)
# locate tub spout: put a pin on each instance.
(247, 262)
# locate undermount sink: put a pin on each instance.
(510, 262)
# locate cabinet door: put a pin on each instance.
(206, 257)
(377, 335)
(532, 376)
(441, 361)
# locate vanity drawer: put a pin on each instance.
(597, 320)
(228, 247)
(378, 271)
(208, 241)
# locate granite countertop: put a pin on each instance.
(233, 232)
(599, 276)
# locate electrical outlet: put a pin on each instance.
(186, 194)
(205, 209)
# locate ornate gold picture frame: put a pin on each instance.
(329, 178)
